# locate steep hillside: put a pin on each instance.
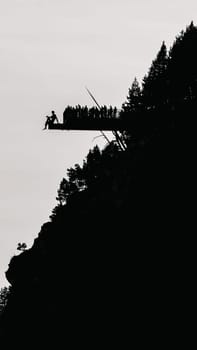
(104, 249)
(108, 259)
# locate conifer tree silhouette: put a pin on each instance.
(154, 86)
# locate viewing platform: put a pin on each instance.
(105, 124)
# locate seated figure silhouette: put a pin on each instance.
(53, 118)
(50, 120)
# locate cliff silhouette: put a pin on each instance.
(106, 261)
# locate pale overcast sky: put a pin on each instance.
(49, 51)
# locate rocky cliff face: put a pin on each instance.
(105, 257)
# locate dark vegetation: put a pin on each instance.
(108, 260)
(83, 112)
(4, 293)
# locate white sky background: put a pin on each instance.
(49, 51)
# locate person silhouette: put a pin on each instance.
(53, 118)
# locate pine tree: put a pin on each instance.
(182, 69)
(154, 83)
(133, 101)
